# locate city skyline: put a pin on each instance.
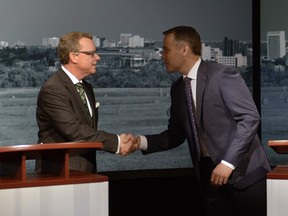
(32, 20)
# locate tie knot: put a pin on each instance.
(187, 80)
(79, 85)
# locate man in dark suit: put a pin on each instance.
(233, 165)
(61, 114)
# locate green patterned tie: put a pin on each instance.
(81, 91)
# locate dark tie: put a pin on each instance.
(190, 106)
(81, 91)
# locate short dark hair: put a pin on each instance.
(70, 43)
(187, 34)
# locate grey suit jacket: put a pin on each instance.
(227, 121)
(61, 116)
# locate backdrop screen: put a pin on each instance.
(131, 83)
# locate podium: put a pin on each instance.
(56, 190)
(277, 182)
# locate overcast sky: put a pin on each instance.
(31, 20)
(274, 16)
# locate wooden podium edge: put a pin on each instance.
(38, 179)
(279, 146)
(13, 172)
(280, 171)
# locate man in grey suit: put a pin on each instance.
(233, 165)
(61, 114)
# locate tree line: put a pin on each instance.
(32, 66)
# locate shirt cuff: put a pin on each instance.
(228, 164)
(143, 143)
(118, 148)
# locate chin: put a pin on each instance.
(92, 71)
(169, 70)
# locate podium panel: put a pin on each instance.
(277, 190)
(56, 190)
(277, 183)
(61, 200)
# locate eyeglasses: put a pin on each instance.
(91, 53)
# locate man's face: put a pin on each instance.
(172, 54)
(87, 57)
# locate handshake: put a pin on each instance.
(128, 144)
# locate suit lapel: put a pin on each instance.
(201, 80)
(68, 84)
(71, 88)
(91, 98)
(90, 95)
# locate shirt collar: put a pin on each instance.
(70, 75)
(193, 71)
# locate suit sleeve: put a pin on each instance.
(175, 135)
(239, 101)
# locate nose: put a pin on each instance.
(97, 57)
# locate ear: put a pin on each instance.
(186, 49)
(73, 57)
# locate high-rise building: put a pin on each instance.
(276, 44)
(231, 47)
(206, 52)
(124, 39)
(136, 41)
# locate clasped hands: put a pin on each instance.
(128, 144)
